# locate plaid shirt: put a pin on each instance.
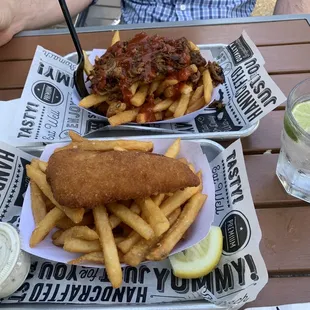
(148, 11)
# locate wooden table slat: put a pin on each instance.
(266, 137)
(286, 82)
(266, 189)
(15, 73)
(9, 94)
(270, 33)
(284, 246)
(286, 58)
(279, 59)
(280, 291)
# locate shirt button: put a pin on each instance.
(183, 7)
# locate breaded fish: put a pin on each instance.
(89, 178)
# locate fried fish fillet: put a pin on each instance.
(89, 178)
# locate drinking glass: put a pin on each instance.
(293, 168)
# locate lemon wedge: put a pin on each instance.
(301, 112)
(200, 259)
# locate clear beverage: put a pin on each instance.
(293, 168)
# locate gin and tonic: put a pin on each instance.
(293, 169)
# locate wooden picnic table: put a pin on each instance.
(284, 220)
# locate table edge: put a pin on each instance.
(244, 20)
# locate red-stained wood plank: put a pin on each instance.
(266, 137)
(266, 33)
(285, 243)
(280, 291)
(266, 189)
(9, 94)
(286, 58)
(286, 82)
(13, 73)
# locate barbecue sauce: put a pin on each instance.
(143, 59)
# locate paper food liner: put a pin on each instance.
(183, 119)
(199, 230)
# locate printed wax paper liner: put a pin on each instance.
(238, 278)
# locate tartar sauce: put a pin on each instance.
(14, 263)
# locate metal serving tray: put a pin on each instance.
(211, 149)
(139, 133)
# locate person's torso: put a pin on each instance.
(147, 11)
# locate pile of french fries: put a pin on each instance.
(127, 232)
(164, 90)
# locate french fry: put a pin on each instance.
(193, 46)
(92, 100)
(177, 199)
(93, 257)
(138, 252)
(191, 166)
(200, 103)
(142, 118)
(177, 230)
(198, 93)
(42, 166)
(76, 215)
(173, 107)
(200, 186)
(88, 67)
(139, 97)
(116, 37)
(174, 149)
(56, 234)
(115, 221)
(119, 239)
(163, 105)
(164, 84)
(157, 100)
(49, 205)
(168, 114)
(130, 241)
(207, 86)
(153, 215)
(131, 219)
(115, 108)
(35, 163)
(182, 106)
(193, 68)
(37, 203)
(80, 232)
(158, 199)
(45, 226)
(186, 89)
(75, 245)
(97, 145)
(66, 223)
(76, 137)
(153, 87)
(159, 116)
(118, 148)
(110, 253)
(133, 88)
(183, 160)
(123, 117)
(170, 91)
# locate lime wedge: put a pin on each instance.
(201, 259)
(301, 113)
